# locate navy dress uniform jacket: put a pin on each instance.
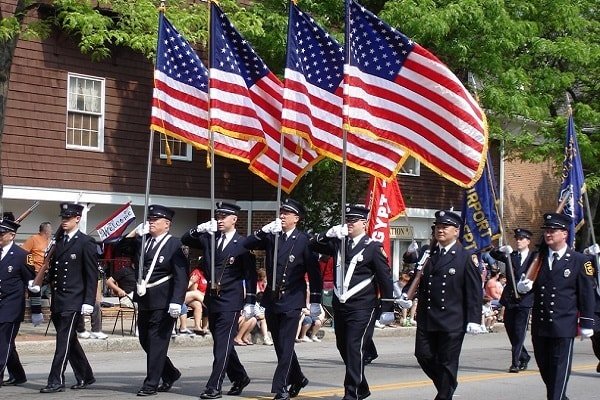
(371, 263)
(234, 265)
(15, 272)
(74, 273)
(294, 260)
(508, 299)
(170, 261)
(450, 292)
(562, 295)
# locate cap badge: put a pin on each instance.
(347, 209)
(442, 213)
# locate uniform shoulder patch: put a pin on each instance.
(588, 268)
(29, 260)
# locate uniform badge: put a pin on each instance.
(10, 268)
(291, 258)
(73, 256)
(452, 271)
(359, 258)
(567, 273)
(589, 268)
(231, 260)
(161, 259)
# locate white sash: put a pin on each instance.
(141, 287)
(346, 284)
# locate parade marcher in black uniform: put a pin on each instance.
(516, 309)
(16, 270)
(73, 273)
(159, 296)
(366, 276)
(284, 302)
(563, 293)
(594, 251)
(234, 265)
(449, 303)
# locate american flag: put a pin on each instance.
(402, 93)
(180, 96)
(313, 102)
(245, 102)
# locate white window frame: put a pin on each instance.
(176, 157)
(102, 81)
(415, 172)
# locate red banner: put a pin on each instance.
(386, 204)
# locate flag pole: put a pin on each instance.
(213, 284)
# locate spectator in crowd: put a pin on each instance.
(493, 288)
(37, 245)
(326, 266)
(194, 298)
(122, 284)
(261, 321)
(489, 316)
(408, 314)
(261, 281)
(246, 324)
(309, 326)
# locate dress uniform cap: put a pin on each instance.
(448, 218)
(522, 233)
(227, 208)
(293, 206)
(71, 210)
(8, 225)
(557, 221)
(158, 211)
(356, 212)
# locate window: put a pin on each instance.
(85, 113)
(412, 166)
(179, 149)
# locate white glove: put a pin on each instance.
(473, 328)
(86, 309)
(142, 228)
(586, 333)
(273, 226)
(404, 302)
(33, 288)
(412, 247)
(338, 231)
(249, 310)
(506, 249)
(386, 318)
(593, 249)
(209, 226)
(174, 310)
(524, 285)
(37, 319)
(315, 310)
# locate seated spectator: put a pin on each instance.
(488, 315)
(309, 326)
(122, 284)
(246, 325)
(493, 288)
(194, 298)
(261, 320)
(408, 316)
(183, 328)
(261, 280)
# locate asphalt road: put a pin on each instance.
(395, 375)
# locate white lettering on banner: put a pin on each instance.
(116, 223)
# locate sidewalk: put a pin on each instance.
(32, 339)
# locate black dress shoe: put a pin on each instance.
(211, 394)
(53, 389)
(282, 396)
(238, 386)
(83, 384)
(165, 386)
(369, 359)
(513, 369)
(14, 382)
(598, 368)
(523, 365)
(146, 392)
(364, 395)
(296, 387)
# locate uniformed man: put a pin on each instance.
(563, 294)
(594, 252)
(159, 296)
(16, 269)
(450, 298)
(284, 302)
(234, 266)
(517, 307)
(366, 275)
(73, 273)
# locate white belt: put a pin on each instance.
(355, 289)
(158, 282)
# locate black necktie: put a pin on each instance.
(221, 244)
(519, 260)
(554, 259)
(66, 239)
(443, 252)
(1, 250)
(349, 245)
(150, 245)
(283, 237)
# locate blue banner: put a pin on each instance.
(573, 182)
(481, 224)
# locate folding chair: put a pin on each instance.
(126, 308)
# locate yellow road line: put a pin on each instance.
(423, 383)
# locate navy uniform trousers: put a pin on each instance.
(68, 349)
(223, 328)
(9, 358)
(353, 336)
(155, 327)
(515, 323)
(284, 328)
(554, 356)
